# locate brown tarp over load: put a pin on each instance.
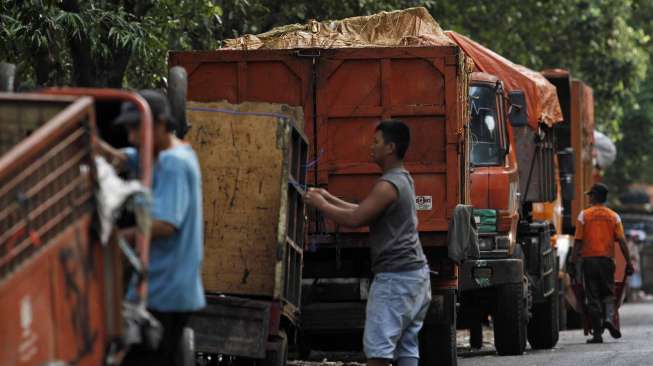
(541, 96)
(410, 27)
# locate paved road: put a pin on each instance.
(635, 348)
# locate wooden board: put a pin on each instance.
(242, 151)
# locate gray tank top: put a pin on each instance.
(394, 241)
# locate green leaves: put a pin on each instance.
(100, 38)
(607, 43)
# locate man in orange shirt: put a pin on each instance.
(597, 230)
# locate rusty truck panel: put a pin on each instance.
(54, 301)
(576, 132)
(358, 87)
(344, 92)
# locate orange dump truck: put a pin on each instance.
(575, 145)
(60, 288)
(514, 172)
(345, 83)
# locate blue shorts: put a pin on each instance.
(396, 306)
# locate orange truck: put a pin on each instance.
(514, 177)
(344, 89)
(61, 288)
(575, 145)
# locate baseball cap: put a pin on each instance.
(159, 105)
(598, 189)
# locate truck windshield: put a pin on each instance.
(486, 143)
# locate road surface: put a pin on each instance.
(635, 348)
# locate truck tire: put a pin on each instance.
(7, 76)
(304, 346)
(562, 305)
(279, 355)
(476, 335)
(544, 326)
(510, 319)
(574, 319)
(177, 92)
(437, 345)
(187, 345)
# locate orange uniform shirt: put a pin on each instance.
(599, 228)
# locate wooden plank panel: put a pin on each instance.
(242, 155)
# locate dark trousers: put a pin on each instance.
(598, 280)
(169, 351)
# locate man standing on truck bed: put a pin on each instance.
(401, 290)
(597, 229)
(174, 281)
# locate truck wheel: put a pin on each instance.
(574, 319)
(279, 355)
(437, 345)
(543, 328)
(476, 335)
(304, 346)
(7, 75)
(510, 319)
(562, 314)
(187, 353)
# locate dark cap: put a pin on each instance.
(159, 105)
(599, 190)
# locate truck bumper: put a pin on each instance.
(234, 326)
(484, 273)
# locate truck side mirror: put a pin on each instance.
(177, 91)
(7, 75)
(518, 114)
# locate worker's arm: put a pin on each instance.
(160, 230)
(578, 245)
(336, 201)
(626, 252)
(382, 196)
(578, 242)
(114, 156)
(621, 238)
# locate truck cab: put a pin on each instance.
(492, 284)
(494, 175)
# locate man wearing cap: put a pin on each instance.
(174, 281)
(597, 230)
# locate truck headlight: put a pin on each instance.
(503, 242)
(485, 243)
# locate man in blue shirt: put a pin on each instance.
(174, 279)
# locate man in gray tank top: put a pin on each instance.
(401, 291)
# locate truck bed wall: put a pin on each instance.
(577, 102)
(60, 290)
(344, 93)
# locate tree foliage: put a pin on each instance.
(101, 42)
(115, 43)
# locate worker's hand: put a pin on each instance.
(629, 269)
(321, 191)
(314, 198)
(129, 234)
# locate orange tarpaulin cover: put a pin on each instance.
(588, 100)
(541, 96)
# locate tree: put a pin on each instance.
(101, 43)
